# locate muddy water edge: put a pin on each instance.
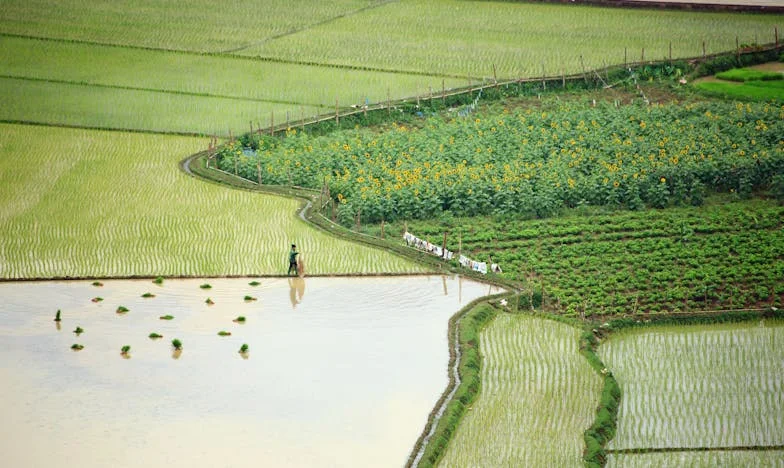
(340, 371)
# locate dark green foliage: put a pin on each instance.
(224, 333)
(777, 187)
(254, 283)
(209, 301)
(125, 349)
(746, 74)
(148, 295)
(154, 336)
(249, 298)
(244, 348)
(97, 284)
(177, 344)
(122, 310)
(79, 330)
(205, 286)
(57, 316)
(77, 347)
(166, 317)
(240, 319)
(97, 299)
(158, 280)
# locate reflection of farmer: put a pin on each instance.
(293, 259)
(296, 290)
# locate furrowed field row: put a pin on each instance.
(93, 107)
(717, 386)
(519, 39)
(111, 204)
(207, 76)
(750, 459)
(538, 396)
(166, 25)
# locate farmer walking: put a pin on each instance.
(293, 259)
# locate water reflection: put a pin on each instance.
(296, 291)
(176, 353)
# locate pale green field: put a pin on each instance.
(98, 107)
(198, 25)
(538, 396)
(240, 77)
(746, 459)
(463, 37)
(699, 386)
(94, 203)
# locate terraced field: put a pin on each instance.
(93, 203)
(538, 396)
(699, 387)
(758, 459)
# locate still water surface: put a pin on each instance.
(341, 371)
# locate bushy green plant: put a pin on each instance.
(122, 310)
(148, 295)
(224, 333)
(158, 280)
(244, 348)
(177, 344)
(79, 330)
(154, 336)
(166, 317)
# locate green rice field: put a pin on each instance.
(748, 459)
(698, 387)
(538, 396)
(84, 203)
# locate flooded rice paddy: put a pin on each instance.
(340, 371)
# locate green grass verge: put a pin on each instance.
(538, 395)
(746, 74)
(748, 91)
(520, 39)
(83, 203)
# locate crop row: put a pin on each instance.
(109, 204)
(696, 386)
(519, 39)
(734, 263)
(538, 396)
(531, 162)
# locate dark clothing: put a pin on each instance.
(293, 262)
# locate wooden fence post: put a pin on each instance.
(389, 102)
(582, 64)
(443, 246)
(624, 58)
(704, 54)
(382, 228)
(272, 123)
(258, 170)
(495, 77)
(287, 120)
(302, 113)
(776, 35)
(337, 115)
(642, 56)
(443, 92)
(670, 51)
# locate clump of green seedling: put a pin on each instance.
(122, 310)
(224, 333)
(158, 280)
(154, 336)
(79, 330)
(244, 348)
(148, 295)
(57, 316)
(97, 284)
(177, 344)
(77, 347)
(97, 299)
(254, 283)
(125, 350)
(240, 319)
(166, 317)
(205, 286)
(209, 301)
(249, 298)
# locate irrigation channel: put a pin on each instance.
(340, 371)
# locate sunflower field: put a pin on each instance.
(530, 161)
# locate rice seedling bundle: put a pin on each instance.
(699, 386)
(538, 396)
(92, 203)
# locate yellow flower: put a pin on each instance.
(662, 180)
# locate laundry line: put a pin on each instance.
(442, 252)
